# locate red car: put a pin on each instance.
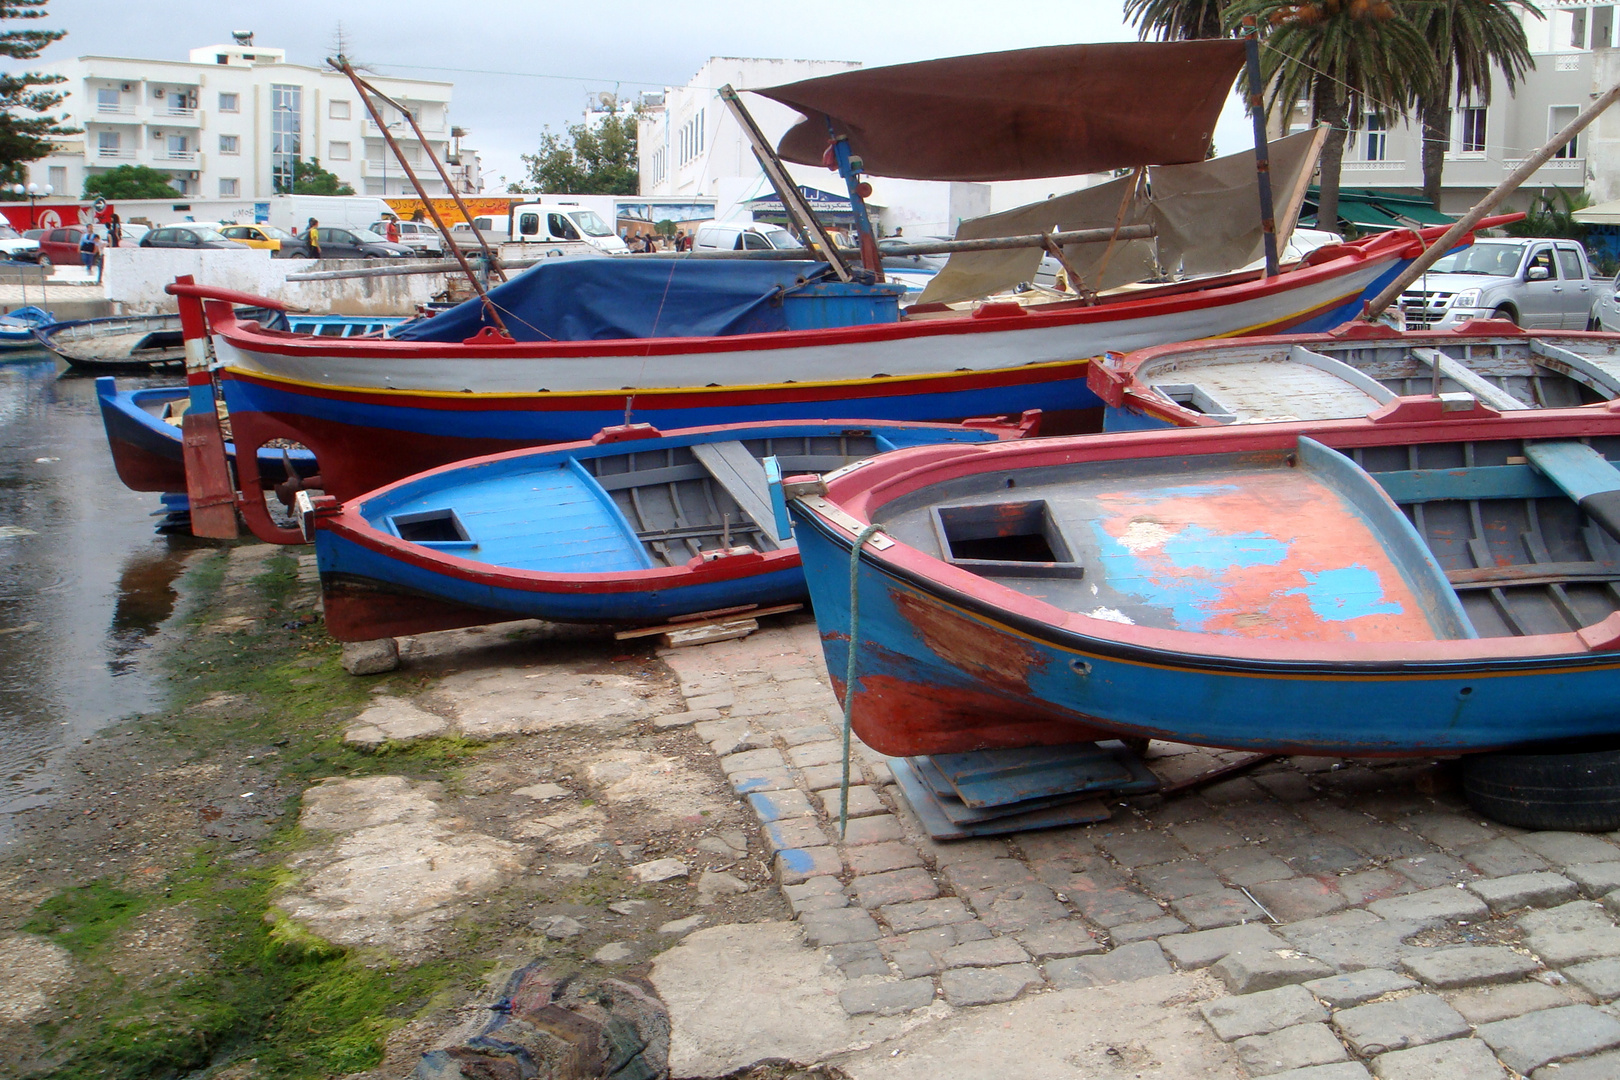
(60, 245)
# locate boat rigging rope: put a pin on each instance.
(849, 670)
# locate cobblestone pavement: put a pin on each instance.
(1362, 926)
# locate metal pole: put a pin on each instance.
(449, 186)
(1262, 150)
(849, 169)
(793, 200)
(1526, 168)
(376, 115)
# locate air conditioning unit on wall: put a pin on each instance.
(126, 88)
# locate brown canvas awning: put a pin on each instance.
(1054, 111)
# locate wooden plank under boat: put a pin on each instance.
(1305, 377)
(634, 526)
(1437, 577)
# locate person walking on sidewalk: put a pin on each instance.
(312, 237)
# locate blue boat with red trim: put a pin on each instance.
(1437, 577)
(632, 526)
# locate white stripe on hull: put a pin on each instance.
(979, 350)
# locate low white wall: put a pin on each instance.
(133, 279)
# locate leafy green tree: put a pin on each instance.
(310, 179)
(1177, 20)
(129, 182)
(1468, 40)
(599, 160)
(25, 137)
(1348, 59)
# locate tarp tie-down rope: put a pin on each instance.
(849, 669)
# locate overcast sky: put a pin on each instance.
(519, 65)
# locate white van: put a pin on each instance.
(541, 223)
(743, 236)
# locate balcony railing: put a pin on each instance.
(176, 155)
(114, 152)
(1387, 165)
(108, 109)
(1575, 165)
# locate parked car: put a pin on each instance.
(59, 245)
(353, 244)
(192, 235)
(16, 247)
(742, 235)
(260, 236)
(420, 236)
(1540, 284)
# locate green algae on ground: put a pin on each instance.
(253, 984)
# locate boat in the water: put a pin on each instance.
(17, 327)
(633, 526)
(143, 435)
(1435, 578)
(132, 343)
(1308, 377)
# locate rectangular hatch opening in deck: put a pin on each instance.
(434, 528)
(1005, 539)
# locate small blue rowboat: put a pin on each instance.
(17, 327)
(633, 526)
(1437, 577)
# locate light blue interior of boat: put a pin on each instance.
(510, 513)
(1408, 551)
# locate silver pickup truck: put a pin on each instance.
(1540, 284)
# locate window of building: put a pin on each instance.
(286, 133)
(230, 103)
(337, 151)
(57, 178)
(229, 187)
(1558, 118)
(180, 184)
(230, 144)
(1577, 28)
(1377, 140)
(1472, 140)
(179, 148)
(1602, 27)
(108, 141)
(338, 110)
(108, 99)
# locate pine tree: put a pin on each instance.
(24, 137)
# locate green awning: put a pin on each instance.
(1365, 213)
(1419, 213)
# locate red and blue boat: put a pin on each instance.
(1438, 577)
(632, 526)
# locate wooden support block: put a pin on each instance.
(686, 622)
(702, 635)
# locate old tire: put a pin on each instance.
(1557, 787)
(1594, 324)
(1505, 314)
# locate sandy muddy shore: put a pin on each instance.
(294, 872)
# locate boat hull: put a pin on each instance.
(946, 669)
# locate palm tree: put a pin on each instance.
(1175, 20)
(1348, 59)
(1468, 38)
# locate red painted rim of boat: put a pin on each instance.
(348, 522)
(906, 471)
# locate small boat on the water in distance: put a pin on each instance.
(130, 343)
(1435, 578)
(17, 327)
(1304, 377)
(633, 526)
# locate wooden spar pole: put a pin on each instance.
(1262, 151)
(1530, 164)
(793, 200)
(342, 64)
(449, 185)
(1295, 199)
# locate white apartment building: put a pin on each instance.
(691, 147)
(229, 122)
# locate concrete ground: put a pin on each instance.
(674, 815)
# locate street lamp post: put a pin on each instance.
(33, 191)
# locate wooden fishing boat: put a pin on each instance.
(631, 526)
(129, 343)
(1344, 374)
(1437, 577)
(17, 327)
(143, 435)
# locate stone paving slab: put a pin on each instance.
(1245, 971)
(1531, 1041)
(985, 986)
(1450, 969)
(1488, 1004)
(1205, 947)
(1601, 1067)
(1262, 1013)
(1397, 1024)
(1291, 1048)
(1460, 1059)
(1343, 991)
(1432, 907)
(1596, 880)
(1537, 890)
(1600, 978)
(1127, 963)
(1345, 1070)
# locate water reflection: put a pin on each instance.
(84, 581)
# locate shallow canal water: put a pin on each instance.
(85, 581)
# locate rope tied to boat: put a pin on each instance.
(849, 670)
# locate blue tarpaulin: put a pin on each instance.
(593, 299)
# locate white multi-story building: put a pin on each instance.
(691, 147)
(229, 122)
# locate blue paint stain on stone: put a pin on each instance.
(765, 807)
(1196, 547)
(746, 784)
(1351, 592)
(797, 860)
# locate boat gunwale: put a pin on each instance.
(905, 472)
